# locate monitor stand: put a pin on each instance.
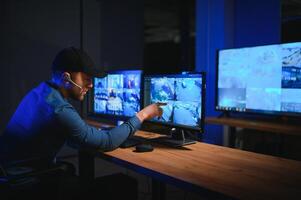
(177, 138)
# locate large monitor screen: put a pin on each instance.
(263, 79)
(184, 95)
(118, 93)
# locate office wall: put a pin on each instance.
(214, 30)
(121, 38)
(291, 29)
(33, 31)
(228, 24)
(257, 22)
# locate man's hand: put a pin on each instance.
(150, 111)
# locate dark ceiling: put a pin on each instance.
(162, 17)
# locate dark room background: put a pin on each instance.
(33, 31)
(165, 35)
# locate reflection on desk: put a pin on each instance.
(218, 170)
(99, 125)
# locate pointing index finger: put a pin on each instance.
(161, 104)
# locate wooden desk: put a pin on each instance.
(212, 169)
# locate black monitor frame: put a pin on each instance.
(181, 127)
(91, 112)
(265, 114)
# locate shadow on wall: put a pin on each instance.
(25, 62)
(291, 30)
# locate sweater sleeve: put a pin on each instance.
(82, 135)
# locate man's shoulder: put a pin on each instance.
(52, 96)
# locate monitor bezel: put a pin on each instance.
(91, 111)
(263, 113)
(200, 128)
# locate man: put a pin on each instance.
(44, 120)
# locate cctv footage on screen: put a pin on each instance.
(266, 78)
(182, 95)
(117, 94)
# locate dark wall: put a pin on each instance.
(169, 36)
(33, 31)
(121, 38)
(291, 30)
(229, 24)
(257, 22)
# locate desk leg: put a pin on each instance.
(280, 148)
(232, 136)
(158, 190)
(86, 166)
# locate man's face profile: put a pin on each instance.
(84, 81)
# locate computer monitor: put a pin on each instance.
(117, 95)
(260, 79)
(184, 95)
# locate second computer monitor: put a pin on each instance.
(117, 94)
(184, 95)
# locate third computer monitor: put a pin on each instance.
(260, 79)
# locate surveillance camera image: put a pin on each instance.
(260, 79)
(183, 95)
(118, 93)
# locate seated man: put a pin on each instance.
(44, 120)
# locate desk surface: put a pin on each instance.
(231, 172)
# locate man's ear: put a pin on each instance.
(66, 77)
